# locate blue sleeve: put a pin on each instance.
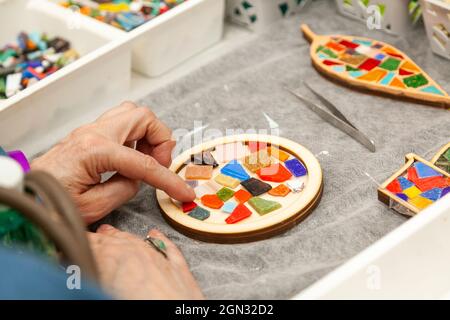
(25, 276)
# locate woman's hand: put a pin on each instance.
(130, 268)
(106, 146)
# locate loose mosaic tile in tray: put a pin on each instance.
(417, 185)
(442, 158)
(372, 65)
(238, 197)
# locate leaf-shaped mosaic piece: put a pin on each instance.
(373, 65)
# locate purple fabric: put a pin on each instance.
(19, 156)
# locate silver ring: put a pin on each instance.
(157, 244)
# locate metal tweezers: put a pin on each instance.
(335, 117)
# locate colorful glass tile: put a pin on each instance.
(433, 90)
(192, 183)
(444, 161)
(230, 151)
(212, 201)
(350, 68)
(380, 56)
(256, 187)
(353, 58)
(374, 75)
(397, 83)
(390, 64)
(430, 183)
(412, 174)
(275, 173)
(240, 213)
(415, 81)
(296, 167)
(367, 43)
(377, 46)
(279, 154)
(195, 172)
(395, 186)
(328, 52)
(425, 171)
(225, 194)
(420, 202)
(234, 169)
(367, 51)
(445, 191)
(408, 65)
(412, 192)
(402, 196)
(257, 160)
(203, 189)
(338, 68)
(229, 206)
(227, 181)
(387, 79)
(188, 206)
(295, 185)
(254, 146)
(280, 191)
(263, 206)
(392, 52)
(242, 195)
(433, 194)
(331, 63)
(404, 72)
(348, 44)
(369, 64)
(322, 56)
(199, 213)
(335, 46)
(404, 183)
(204, 158)
(357, 74)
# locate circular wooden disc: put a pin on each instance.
(295, 206)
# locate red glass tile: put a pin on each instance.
(331, 63)
(369, 64)
(349, 44)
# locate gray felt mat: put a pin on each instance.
(233, 91)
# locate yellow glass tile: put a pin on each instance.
(279, 154)
(374, 75)
(257, 160)
(227, 181)
(412, 192)
(420, 202)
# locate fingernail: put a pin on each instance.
(105, 227)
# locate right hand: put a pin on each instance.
(104, 146)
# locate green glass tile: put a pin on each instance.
(328, 52)
(225, 194)
(199, 213)
(253, 18)
(263, 206)
(350, 68)
(247, 5)
(415, 81)
(284, 7)
(390, 64)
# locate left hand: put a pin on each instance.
(129, 268)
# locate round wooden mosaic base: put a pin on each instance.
(295, 206)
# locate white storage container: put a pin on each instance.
(101, 75)
(396, 17)
(258, 14)
(169, 39)
(436, 14)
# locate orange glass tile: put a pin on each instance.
(408, 65)
(396, 82)
(335, 46)
(374, 76)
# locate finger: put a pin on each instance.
(108, 230)
(134, 125)
(123, 107)
(172, 251)
(162, 152)
(137, 166)
(103, 198)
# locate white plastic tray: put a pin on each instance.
(171, 38)
(101, 76)
(436, 15)
(412, 262)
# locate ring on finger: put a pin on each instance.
(157, 244)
